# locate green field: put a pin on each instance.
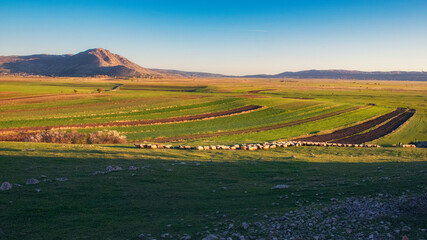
(197, 193)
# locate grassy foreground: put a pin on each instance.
(186, 192)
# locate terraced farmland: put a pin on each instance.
(111, 191)
(191, 111)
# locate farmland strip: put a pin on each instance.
(378, 132)
(349, 131)
(257, 129)
(140, 122)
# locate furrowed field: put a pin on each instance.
(175, 194)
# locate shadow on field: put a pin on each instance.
(188, 194)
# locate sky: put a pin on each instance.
(226, 36)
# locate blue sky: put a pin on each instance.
(230, 37)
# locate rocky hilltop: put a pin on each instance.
(91, 62)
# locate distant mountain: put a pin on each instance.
(191, 74)
(345, 74)
(100, 61)
(91, 62)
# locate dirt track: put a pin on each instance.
(251, 130)
(380, 131)
(350, 131)
(138, 122)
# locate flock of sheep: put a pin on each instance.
(252, 147)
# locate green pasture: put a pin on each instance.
(283, 101)
(186, 192)
(190, 192)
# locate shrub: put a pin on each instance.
(100, 137)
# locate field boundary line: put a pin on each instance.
(251, 130)
(197, 117)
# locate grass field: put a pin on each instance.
(175, 193)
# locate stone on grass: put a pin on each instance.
(32, 181)
(281, 186)
(5, 186)
(245, 225)
(113, 168)
(61, 179)
(210, 237)
(132, 168)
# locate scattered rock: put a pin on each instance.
(32, 181)
(185, 237)
(210, 237)
(5, 186)
(61, 179)
(98, 172)
(132, 168)
(113, 168)
(245, 225)
(165, 235)
(350, 218)
(281, 186)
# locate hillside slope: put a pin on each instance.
(91, 62)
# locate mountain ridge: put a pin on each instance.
(92, 62)
(99, 61)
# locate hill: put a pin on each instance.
(91, 62)
(346, 74)
(100, 61)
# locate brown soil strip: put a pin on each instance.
(378, 132)
(299, 98)
(252, 96)
(46, 98)
(98, 105)
(345, 132)
(261, 90)
(138, 122)
(251, 130)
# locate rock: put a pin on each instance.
(245, 225)
(98, 172)
(281, 186)
(43, 176)
(210, 237)
(165, 235)
(38, 190)
(32, 181)
(5, 186)
(61, 179)
(132, 168)
(141, 236)
(293, 156)
(113, 168)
